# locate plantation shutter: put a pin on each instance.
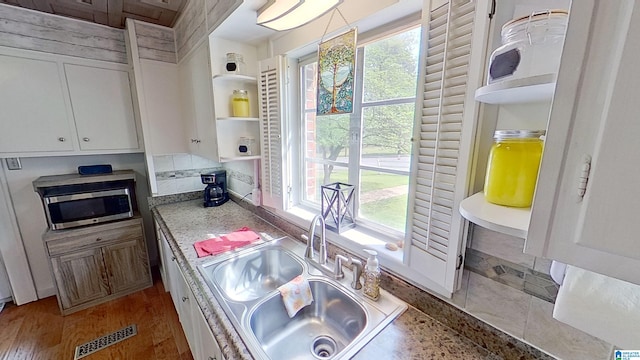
(271, 86)
(441, 161)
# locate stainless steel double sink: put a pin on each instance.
(338, 323)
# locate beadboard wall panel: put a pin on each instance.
(218, 11)
(199, 19)
(190, 27)
(156, 42)
(32, 30)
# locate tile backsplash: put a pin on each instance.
(180, 173)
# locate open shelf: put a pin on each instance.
(236, 118)
(503, 219)
(224, 159)
(236, 77)
(524, 90)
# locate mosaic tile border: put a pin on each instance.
(519, 277)
(179, 174)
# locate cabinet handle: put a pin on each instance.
(98, 239)
(173, 258)
(184, 299)
(193, 140)
(61, 139)
(85, 139)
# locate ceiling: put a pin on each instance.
(109, 12)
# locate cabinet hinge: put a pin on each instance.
(583, 175)
(460, 262)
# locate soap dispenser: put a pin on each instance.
(371, 287)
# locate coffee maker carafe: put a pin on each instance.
(215, 194)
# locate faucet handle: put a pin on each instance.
(357, 267)
(337, 266)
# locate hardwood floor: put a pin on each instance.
(38, 331)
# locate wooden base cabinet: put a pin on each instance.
(201, 341)
(98, 263)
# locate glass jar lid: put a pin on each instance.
(240, 92)
(518, 134)
(539, 24)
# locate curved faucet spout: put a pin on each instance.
(322, 253)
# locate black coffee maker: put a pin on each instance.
(215, 194)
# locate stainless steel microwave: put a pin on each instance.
(100, 199)
(66, 211)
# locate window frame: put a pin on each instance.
(356, 121)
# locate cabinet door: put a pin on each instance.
(206, 345)
(33, 114)
(588, 200)
(128, 265)
(185, 312)
(80, 276)
(102, 108)
(197, 98)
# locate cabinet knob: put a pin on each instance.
(85, 139)
(184, 299)
(193, 141)
(173, 258)
(98, 239)
(61, 139)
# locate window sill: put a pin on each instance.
(353, 240)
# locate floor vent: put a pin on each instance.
(104, 341)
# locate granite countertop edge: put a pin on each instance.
(218, 321)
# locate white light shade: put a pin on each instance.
(305, 11)
(276, 8)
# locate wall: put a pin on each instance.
(30, 212)
(155, 42)
(180, 173)
(513, 292)
(32, 30)
(199, 18)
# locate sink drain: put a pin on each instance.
(323, 347)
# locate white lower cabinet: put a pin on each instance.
(196, 329)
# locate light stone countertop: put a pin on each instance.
(413, 335)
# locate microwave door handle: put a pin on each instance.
(90, 195)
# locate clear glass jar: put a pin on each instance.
(240, 103)
(531, 45)
(512, 170)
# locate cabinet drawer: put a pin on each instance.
(99, 238)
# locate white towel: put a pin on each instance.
(296, 294)
(601, 306)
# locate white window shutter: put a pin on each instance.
(272, 121)
(442, 151)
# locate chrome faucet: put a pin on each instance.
(322, 253)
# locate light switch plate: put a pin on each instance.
(13, 163)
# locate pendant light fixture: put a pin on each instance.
(288, 14)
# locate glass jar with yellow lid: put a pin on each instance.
(512, 170)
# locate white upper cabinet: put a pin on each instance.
(61, 105)
(33, 114)
(102, 107)
(588, 199)
(194, 76)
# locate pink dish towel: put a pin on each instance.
(224, 243)
(296, 294)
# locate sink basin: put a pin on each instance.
(335, 326)
(254, 275)
(322, 329)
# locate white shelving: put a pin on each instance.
(236, 158)
(503, 219)
(232, 128)
(237, 77)
(525, 90)
(236, 118)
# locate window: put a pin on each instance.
(370, 148)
